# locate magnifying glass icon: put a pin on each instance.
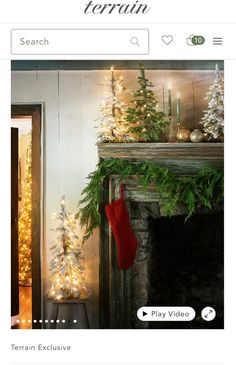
(134, 41)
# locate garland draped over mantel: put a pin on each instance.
(205, 189)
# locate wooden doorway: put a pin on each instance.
(14, 224)
(35, 112)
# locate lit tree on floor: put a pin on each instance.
(146, 122)
(67, 271)
(113, 126)
(213, 119)
(24, 225)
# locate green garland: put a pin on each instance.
(205, 189)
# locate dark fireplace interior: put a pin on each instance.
(186, 266)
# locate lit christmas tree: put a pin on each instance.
(113, 126)
(213, 119)
(146, 122)
(67, 271)
(24, 225)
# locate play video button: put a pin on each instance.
(166, 314)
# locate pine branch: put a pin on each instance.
(205, 189)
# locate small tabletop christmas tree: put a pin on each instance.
(67, 272)
(146, 122)
(25, 225)
(213, 119)
(113, 126)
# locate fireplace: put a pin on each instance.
(192, 275)
(186, 266)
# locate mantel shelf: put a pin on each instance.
(153, 151)
(179, 157)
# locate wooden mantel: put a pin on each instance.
(153, 151)
(181, 158)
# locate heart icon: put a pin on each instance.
(167, 39)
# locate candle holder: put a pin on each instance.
(172, 130)
(183, 134)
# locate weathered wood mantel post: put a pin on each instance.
(181, 158)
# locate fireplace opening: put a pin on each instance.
(186, 266)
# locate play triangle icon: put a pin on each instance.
(144, 314)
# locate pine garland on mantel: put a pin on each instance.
(205, 189)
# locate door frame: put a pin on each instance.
(14, 224)
(35, 112)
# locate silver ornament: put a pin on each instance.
(196, 136)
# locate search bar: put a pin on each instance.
(79, 41)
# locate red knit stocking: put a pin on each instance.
(126, 241)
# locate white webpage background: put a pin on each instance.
(117, 346)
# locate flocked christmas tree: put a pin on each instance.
(113, 126)
(213, 119)
(24, 225)
(146, 122)
(67, 271)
